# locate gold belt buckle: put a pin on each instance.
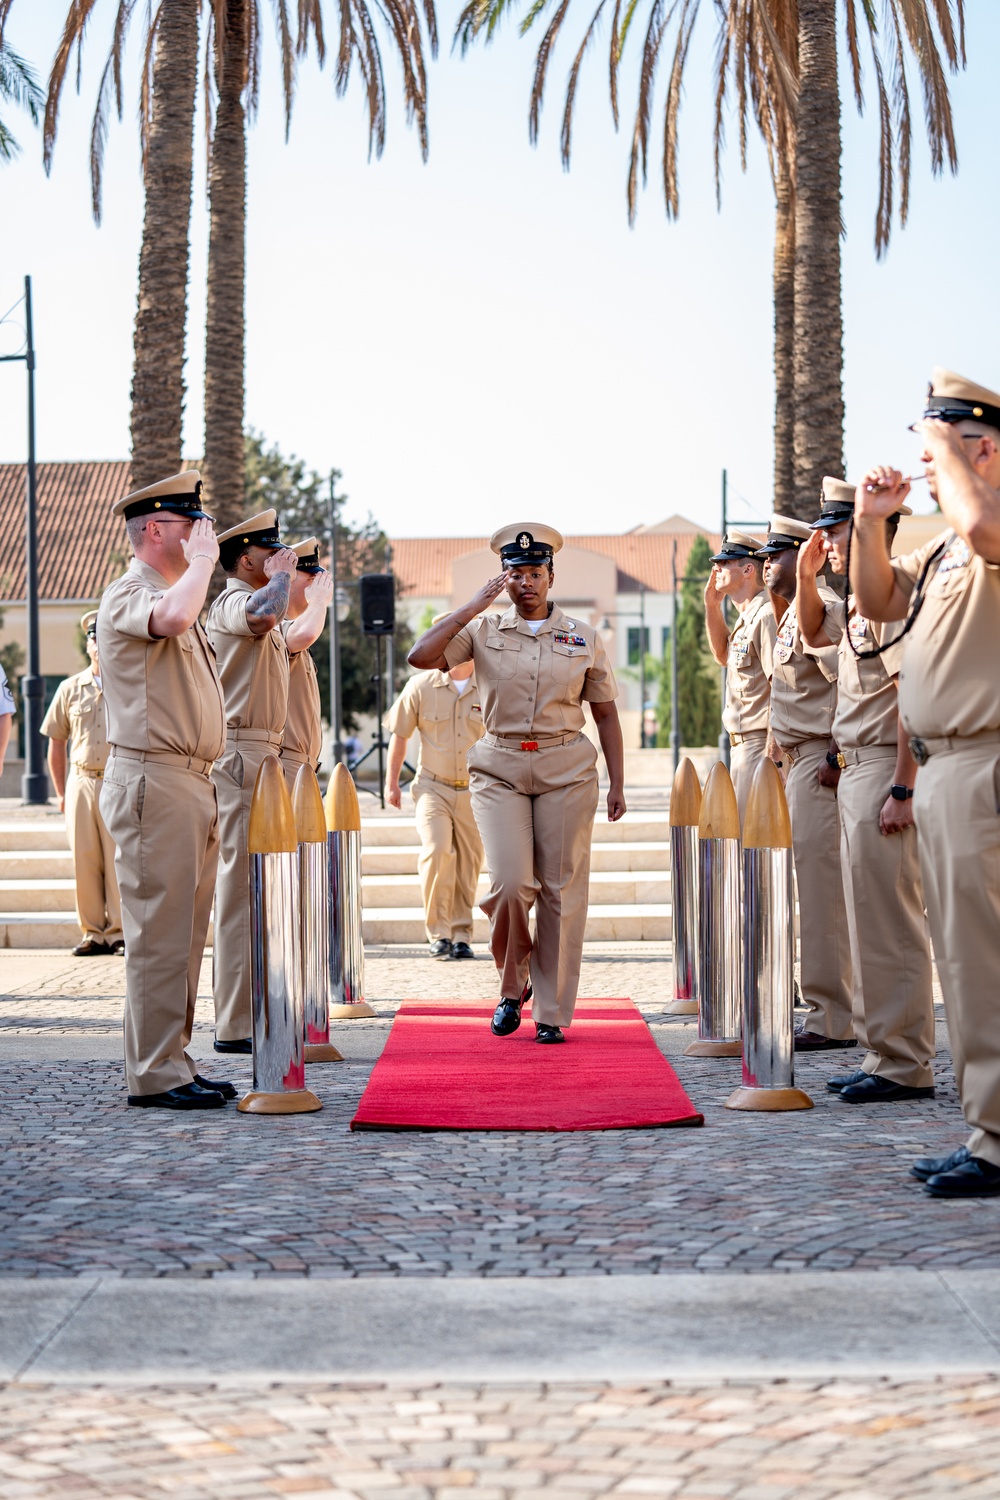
(529, 744)
(841, 760)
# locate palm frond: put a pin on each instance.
(72, 36)
(287, 47)
(614, 58)
(672, 108)
(574, 76)
(655, 28)
(477, 16)
(542, 57)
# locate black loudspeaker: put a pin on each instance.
(377, 596)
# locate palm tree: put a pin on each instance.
(19, 86)
(166, 121)
(780, 58)
(234, 33)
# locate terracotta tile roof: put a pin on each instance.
(81, 546)
(424, 563)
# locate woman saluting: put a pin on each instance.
(533, 775)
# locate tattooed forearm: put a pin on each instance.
(269, 604)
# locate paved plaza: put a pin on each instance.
(779, 1309)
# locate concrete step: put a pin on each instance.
(606, 924)
(36, 864)
(33, 833)
(401, 859)
(634, 828)
(36, 895)
(606, 889)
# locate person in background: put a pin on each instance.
(6, 716)
(308, 602)
(76, 715)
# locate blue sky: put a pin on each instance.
(483, 338)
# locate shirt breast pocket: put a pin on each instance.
(500, 658)
(569, 662)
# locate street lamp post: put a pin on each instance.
(34, 782)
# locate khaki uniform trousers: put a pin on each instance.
(163, 819)
(890, 943)
(98, 904)
(744, 759)
(450, 859)
(234, 774)
(957, 808)
(535, 810)
(826, 980)
(290, 765)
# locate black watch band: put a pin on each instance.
(900, 793)
(833, 761)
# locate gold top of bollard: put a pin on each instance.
(307, 805)
(343, 815)
(720, 815)
(766, 824)
(272, 823)
(685, 796)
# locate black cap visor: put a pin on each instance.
(778, 543)
(835, 516)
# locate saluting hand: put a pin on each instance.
(812, 557)
(880, 493)
(489, 592)
(200, 542)
(282, 561)
(320, 591)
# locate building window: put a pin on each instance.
(633, 643)
(664, 640)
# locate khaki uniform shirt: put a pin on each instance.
(748, 671)
(303, 733)
(160, 694)
(449, 725)
(253, 668)
(76, 713)
(804, 681)
(867, 701)
(949, 684)
(534, 686)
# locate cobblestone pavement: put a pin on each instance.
(877, 1440)
(88, 1186)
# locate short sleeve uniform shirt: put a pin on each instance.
(804, 681)
(76, 713)
(749, 668)
(534, 686)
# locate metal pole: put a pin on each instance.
(642, 663)
(336, 712)
(675, 708)
(378, 715)
(724, 747)
(34, 782)
(719, 924)
(390, 654)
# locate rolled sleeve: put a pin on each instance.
(460, 648)
(128, 610)
(599, 685)
(55, 725)
(401, 719)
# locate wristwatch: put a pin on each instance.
(833, 761)
(900, 793)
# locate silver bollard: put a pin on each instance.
(314, 903)
(279, 1073)
(685, 807)
(768, 951)
(719, 924)
(347, 948)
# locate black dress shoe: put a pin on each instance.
(545, 1033)
(245, 1044)
(117, 950)
(875, 1090)
(216, 1086)
(973, 1178)
(813, 1041)
(91, 948)
(441, 948)
(930, 1166)
(843, 1079)
(506, 1017)
(188, 1096)
(461, 950)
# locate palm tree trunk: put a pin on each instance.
(225, 324)
(784, 337)
(819, 335)
(158, 375)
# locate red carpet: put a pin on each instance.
(441, 1069)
